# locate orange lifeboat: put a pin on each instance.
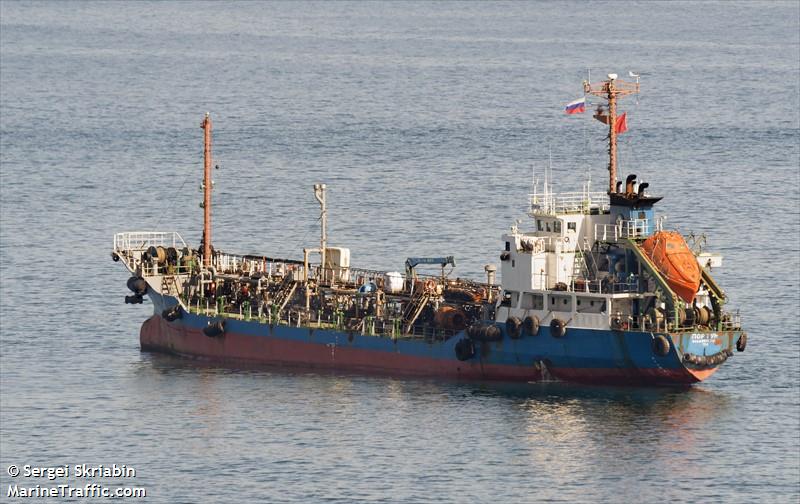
(675, 261)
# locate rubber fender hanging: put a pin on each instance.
(514, 327)
(741, 343)
(172, 314)
(114, 257)
(465, 349)
(135, 299)
(531, 325)
(492, 333)
(661, 345)
(485, 333)
(215, 329)
(558, 328)
(137, 285)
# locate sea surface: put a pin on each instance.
(427, 122)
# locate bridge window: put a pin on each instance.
(571, 226)
(557, 226)
(508, 246)
(539, 225)
(560, 302)
(510, 299)
(590, 305)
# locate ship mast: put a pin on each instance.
(611, 89)
(206, 125)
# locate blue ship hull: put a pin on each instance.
(581, 355)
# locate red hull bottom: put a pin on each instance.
(159, 335)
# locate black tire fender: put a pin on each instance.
(215, 329)
(465, 349)
(741, 343)
(558, 328)
(531, 325)
(661, 345)
(514, 327)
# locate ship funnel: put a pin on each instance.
(629, 183)
(642, 187)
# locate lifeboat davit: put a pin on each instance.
(675, 261)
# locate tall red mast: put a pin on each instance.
(610, 90)
(206, 125)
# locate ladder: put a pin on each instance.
(285, 293)
(579, 268)
(669, 297)
(414, 309)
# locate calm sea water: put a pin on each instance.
(425, 120)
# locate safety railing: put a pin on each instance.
(142, 240)
(267, 313)
(634, 228)
(569, 202)
(731, 321)
(605, 286)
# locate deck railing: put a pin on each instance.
(568, 202)
(266, 313)
(142, 240)
(633, 228)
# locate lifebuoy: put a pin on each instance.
(514, 327)
(558, 328)
(531, 325)
(566, 239)
(661, 345)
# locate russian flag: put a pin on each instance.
(576, 107)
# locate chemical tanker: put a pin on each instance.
(594, 291)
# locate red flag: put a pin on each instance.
(621, 126)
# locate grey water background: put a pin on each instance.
(425, 120)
